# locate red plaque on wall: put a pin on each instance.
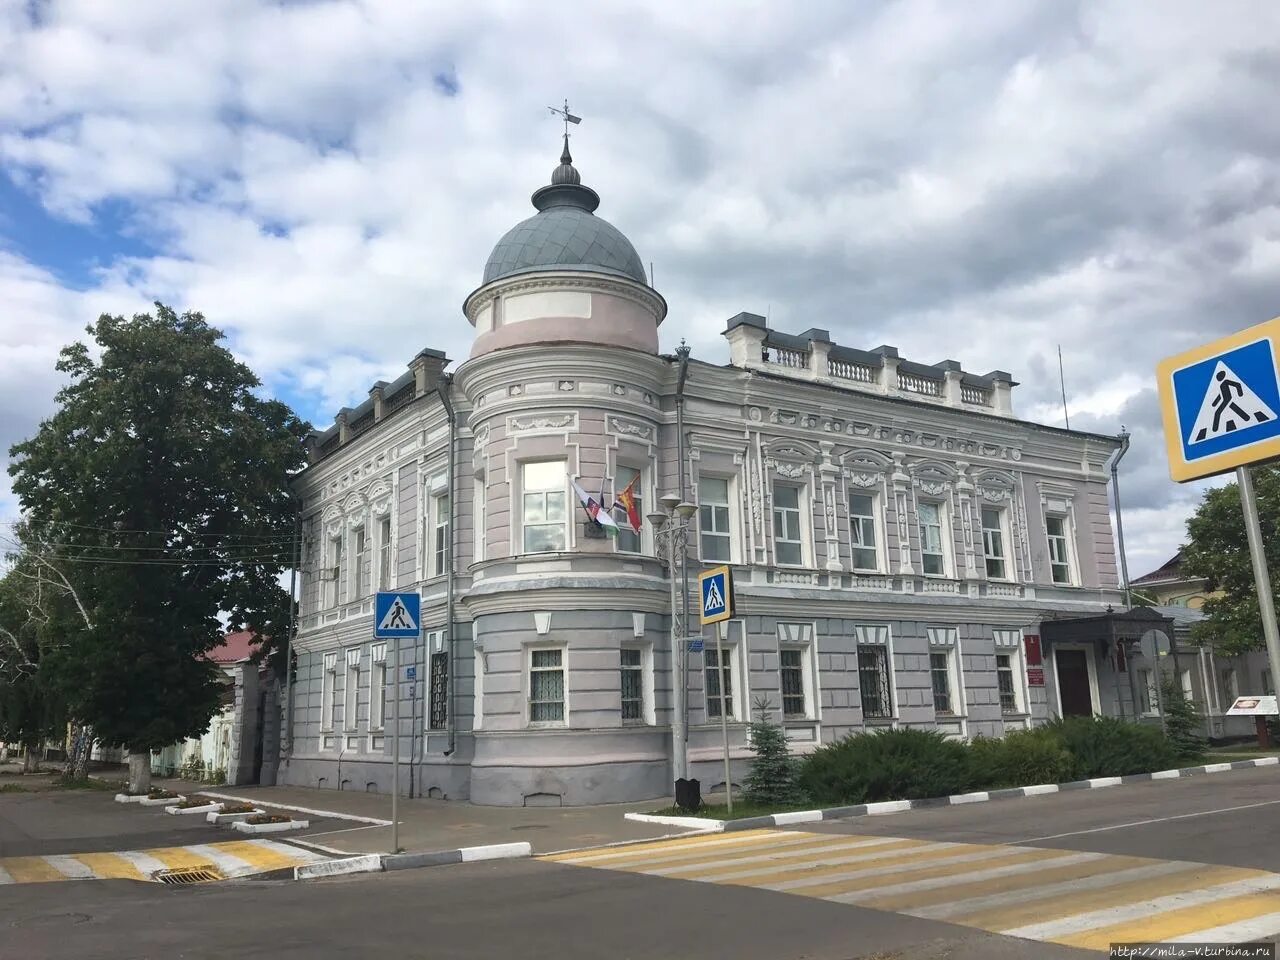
(1032, 643)
(1035, 676)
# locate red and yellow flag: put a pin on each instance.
(627, 501)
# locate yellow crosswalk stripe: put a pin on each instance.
(175, 858)
(260, 856)
(1076, 898)
(32, 870)
(109, 866)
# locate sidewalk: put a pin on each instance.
(429, 825)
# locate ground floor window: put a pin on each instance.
(546, 686)
(873, 681)
(632, 683)
(718, 673)
(940, 674)
(438, 710)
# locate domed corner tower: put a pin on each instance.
(564, 386)
(565, 275)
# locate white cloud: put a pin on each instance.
(983, 185)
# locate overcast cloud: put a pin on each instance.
(980, 182)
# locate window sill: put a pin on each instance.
(1014, 715)
(879, 721)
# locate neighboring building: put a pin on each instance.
(1170, 586)
(241, 744)
(896, 534)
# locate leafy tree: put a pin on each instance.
(773, 776)
(30, 710)
(1219, 551)
(1183, 724)
(159, 492)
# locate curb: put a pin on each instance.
(325, 814)
(956, 800)
(380, 862)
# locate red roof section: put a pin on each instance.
(1171, 570)
(235, 648)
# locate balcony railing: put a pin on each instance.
(977, 395)
(848, 370)
(785, 357)
(911, 383)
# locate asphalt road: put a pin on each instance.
(70, 822)
(537, 909)
(1231, 819)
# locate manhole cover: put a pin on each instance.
(201, 874)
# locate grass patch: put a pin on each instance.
(83, 783)
(14, 788)
(718, 811)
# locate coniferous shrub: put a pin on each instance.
(886, 765)
(1107, 747)
(773, 776)
(1182, 723)
(1019, 759)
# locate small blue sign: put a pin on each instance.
(695, 644)
(411, 673)
(1227, 402)
(715, 588)
(396, 615)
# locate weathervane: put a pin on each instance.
(566, 116)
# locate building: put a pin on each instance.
(1170, 586)
(897, 536)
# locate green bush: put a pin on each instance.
(887, 765)
(1020, 759)
(772, 780)
(1182, 723)
(1107, 747)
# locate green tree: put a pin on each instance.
(30, 710)
(159, 491)
(1183, 725)
(773, 776)
(1218, 550)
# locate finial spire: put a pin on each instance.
(568, 118)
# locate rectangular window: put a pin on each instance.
(862, 531)
(993, 548)
(714, 678)
(632, 683)
(384, 553)
(873, 681)
(628, 540)
(377, 694)
(438, 709)
(713, 519)
(787, 541)
(542, 491)
(940, 673)
(479, 507)
(546, 686)
(351, 687)
(440, 543)
(791, 669)
(931, 551)
(357, 575)
(1059, 549)
(335, 571)
(327, 684)
(1006, 681)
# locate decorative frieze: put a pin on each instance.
(550, 421)
(630, 429)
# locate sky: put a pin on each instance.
(980, 182)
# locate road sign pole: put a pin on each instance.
(724, 714)
(1261, 578)
(395, 748)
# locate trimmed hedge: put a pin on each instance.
(909, 764)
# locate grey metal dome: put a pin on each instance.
(565, 234)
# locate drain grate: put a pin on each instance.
(204, 873)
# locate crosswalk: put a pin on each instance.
(1074, 898)
(235, 858)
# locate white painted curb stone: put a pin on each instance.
(125, 798)
(497, 851)
(692, 823)
(242, 826)
(206, 808)
(367, 863)
(323, 814)
(221, 819)
(160, 801)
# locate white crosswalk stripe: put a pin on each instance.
(70, 867)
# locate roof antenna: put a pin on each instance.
(1062, 380)
(651, 275)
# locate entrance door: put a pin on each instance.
(1073, 683)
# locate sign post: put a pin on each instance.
(715, 588)
(396, 616)
(1221, 407)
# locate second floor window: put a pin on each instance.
(993, 544)
(1059, 549)
(787, 541)
(931, 552)
(628, 539)
(542, 491)
(384, 553)
(440, 544)
(862, 531)
(357, 575)
(335, 571)
(713, 518)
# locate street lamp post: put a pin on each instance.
(671, 533)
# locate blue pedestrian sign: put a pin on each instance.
(396, 615)
(1221, 403)
(715, 588)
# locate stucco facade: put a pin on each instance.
(894, 532)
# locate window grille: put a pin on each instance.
(873, 681)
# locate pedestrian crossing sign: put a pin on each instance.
(396, 615)
(1221, 403)
(715, 588)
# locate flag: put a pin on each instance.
(627, 501)
(594, 510)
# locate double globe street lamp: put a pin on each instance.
(671, 539)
